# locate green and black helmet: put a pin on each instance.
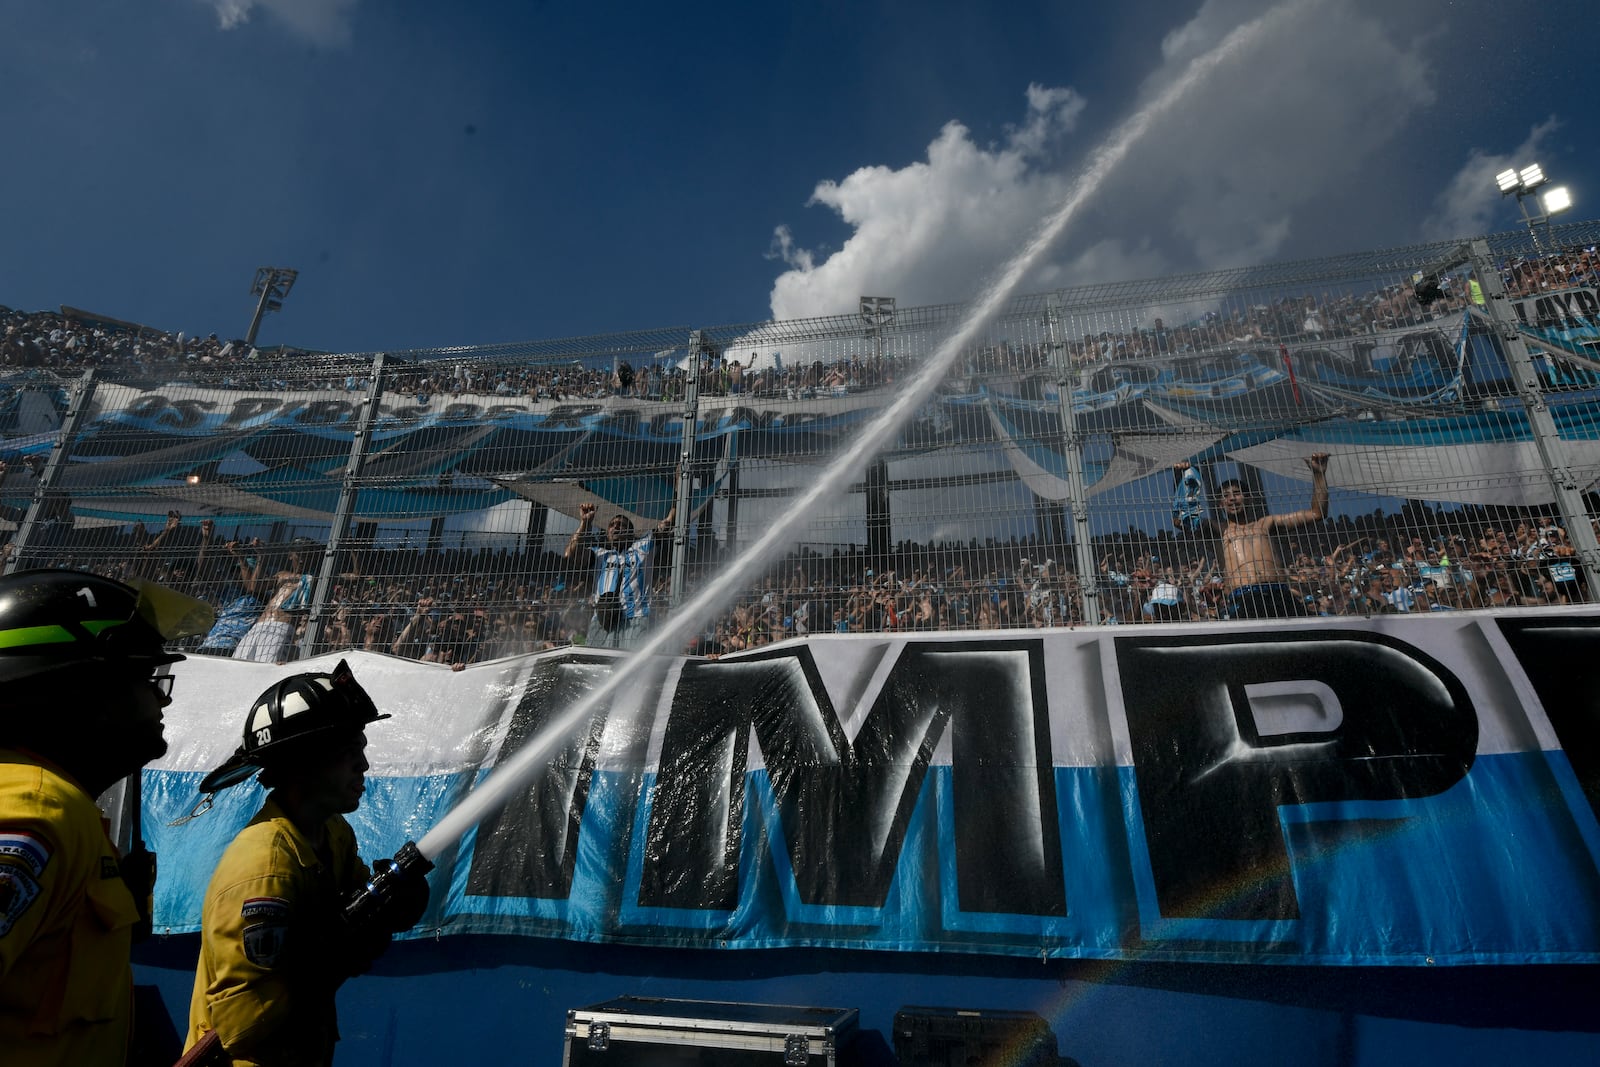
(53, 620)
(290, 717)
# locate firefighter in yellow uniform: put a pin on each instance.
(80, 709)
(275, 945)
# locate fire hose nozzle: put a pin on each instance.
(397, 886)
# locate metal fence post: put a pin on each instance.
(691, 429)
(1541, 424)
(1072, 451)
(77, 410)
(339, 530)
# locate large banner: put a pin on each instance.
(1399, 790)
(1566, 319)
(1412, 406)
(273, 452)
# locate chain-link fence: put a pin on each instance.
(1410, 430)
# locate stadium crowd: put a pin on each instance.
(463, 606)
(66, 343)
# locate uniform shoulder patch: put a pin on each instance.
(21, 847)
(18, 889)
(268, 929)
(263, 943)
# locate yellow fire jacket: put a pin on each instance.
(274, 948)
(66, 923)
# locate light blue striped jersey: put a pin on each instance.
(626, 572)
(1188, 502)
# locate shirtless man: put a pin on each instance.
(1256, 581)
(269, 640)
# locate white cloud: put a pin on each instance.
(1471, 204)
(1220, 181)
(926, 230)
(784, 248)
(322, 22)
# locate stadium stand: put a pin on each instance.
(443, 583)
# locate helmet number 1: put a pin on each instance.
(88, 594)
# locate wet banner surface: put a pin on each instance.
(1395, 790)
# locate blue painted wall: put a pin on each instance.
(492, 1000)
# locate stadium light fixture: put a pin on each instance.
(272, 285)
(1526, 181)
(1556, 200)
(877, 311)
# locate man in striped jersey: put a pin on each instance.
(621, 595)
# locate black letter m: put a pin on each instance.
(845, 806)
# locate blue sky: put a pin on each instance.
(477, 173)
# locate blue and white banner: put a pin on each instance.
(274, 453)
(1567, 320)
(1387, 791)
(248, 454)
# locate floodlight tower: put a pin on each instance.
(1525, 182)
(877, 313)
(272, 285)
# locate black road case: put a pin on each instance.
(954, 1037)
(655, 1032)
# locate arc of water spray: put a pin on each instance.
(874, 436)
